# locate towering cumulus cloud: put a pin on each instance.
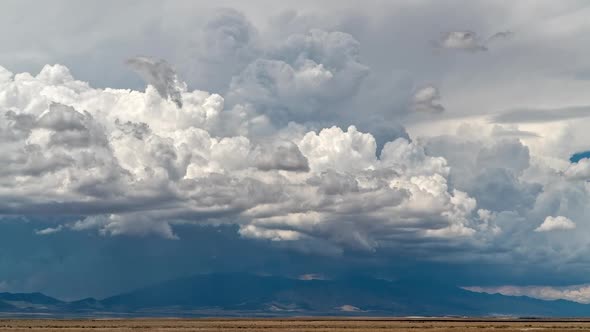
(137, 163)
(299, 78)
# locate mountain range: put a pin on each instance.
(255, 295)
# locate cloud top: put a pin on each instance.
(555, 223)
(161, 76)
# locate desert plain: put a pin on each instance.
(291, 324)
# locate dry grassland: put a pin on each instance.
(284, 325)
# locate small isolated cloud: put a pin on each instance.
(555, 223)
(469, 41)
(161, 76)
(462, 40)
(349, 308)
(575, 293)
(49, 230)
(426, 100)
(311, 276)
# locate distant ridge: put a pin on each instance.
(37, 298)
(253, 295)
(5, 306)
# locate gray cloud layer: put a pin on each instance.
(544, 115)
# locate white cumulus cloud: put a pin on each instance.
(134, 163)
(555, 223)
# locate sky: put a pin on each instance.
(142, 141)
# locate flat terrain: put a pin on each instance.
(296, 324)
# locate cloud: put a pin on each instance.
(5, 75)
(298, 79)
(333, 148)
(512, 131)
(542, 115)
(349, 308)
(462, 40)
(556, 224)
(426, 100)
(131, 163)
(49, 230)
(130, 224)
(303, 146)
(579, 170)
(500, 35)
(281, 156)
(469, 41)
(311, 276)
(489, 167)
(222, 44)
(161, 76)
(227, 34)
(575, 293)
(235, 152)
